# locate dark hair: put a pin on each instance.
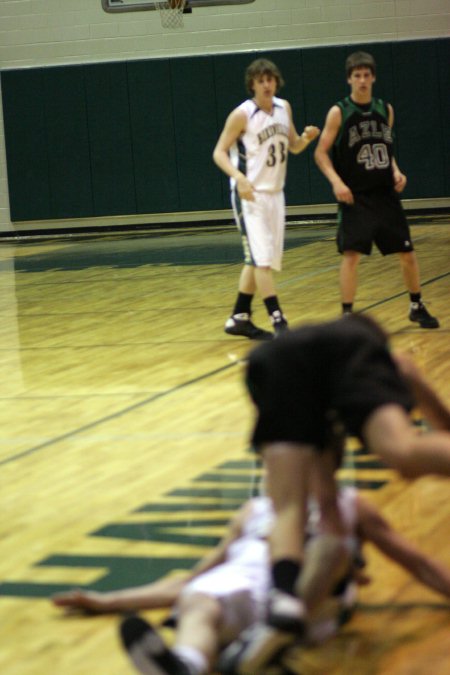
(360, 60)
(262, 67)
(370, 323)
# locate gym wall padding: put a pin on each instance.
(68, 144)
(153, 136)
(196, 131)
(417, 105)
(136, 137)
(111, 152)
(443, 56)
(26, 144)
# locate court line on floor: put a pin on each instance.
(402, 293)
(119, 413)
(167, 392)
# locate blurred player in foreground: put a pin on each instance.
(226, 592)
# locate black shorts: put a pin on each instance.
(376, 217)
(321, 380)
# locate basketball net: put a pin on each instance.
(171, 13)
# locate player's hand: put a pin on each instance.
(343, 193)
(399, 181)
(310, 133)
(87, 601)
(245, 188)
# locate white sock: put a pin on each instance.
(193, 658)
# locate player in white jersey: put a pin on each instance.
(253, 150)
(227, 591)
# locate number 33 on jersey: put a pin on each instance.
(262, 151)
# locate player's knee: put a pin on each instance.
(201, 603)
(408, 259)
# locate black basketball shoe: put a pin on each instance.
(242, 326)
(420, 315)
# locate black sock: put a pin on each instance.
(347, 307)
(243, 303)
(415, 297)
(284, 575)
(272, 304)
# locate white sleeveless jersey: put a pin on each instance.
(243, 581)
(347, 504)
(250, 548)
(261, 153)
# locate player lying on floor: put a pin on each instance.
(226, 591)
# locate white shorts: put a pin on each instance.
(261, 224)
(242, 593)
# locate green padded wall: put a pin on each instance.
(324, 84)
(111, 157)
(67, 142)
(137, 137)
(444, 98)
(153, 136)
(418, 115)
(194, 111)
(26, 144)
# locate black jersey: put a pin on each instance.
(362, 152)
(315, 378)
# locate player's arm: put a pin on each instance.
(434, 409)
(219, 554)
(234, 127)
(322, 155)
(399, 177)
(157, 595)
(299, 142)
(374, 528)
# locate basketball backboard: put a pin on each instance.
(137, 5)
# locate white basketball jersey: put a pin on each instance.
(251, 547)
(347, 504)
(261, 153)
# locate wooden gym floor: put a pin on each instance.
(124, 427)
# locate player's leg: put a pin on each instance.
(411, 275)
(197, 636)
(389, 434)
(354, 238)
(410, 271)
(288, 467)
(328, 555)
(271, 237)
(289, 428)
(348, 279)
(264, 220)
(240, 323)
(287, 471)
(264, 281)
(196, 641)
(147, 650)
(394, 236)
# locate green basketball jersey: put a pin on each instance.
(363, 149)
